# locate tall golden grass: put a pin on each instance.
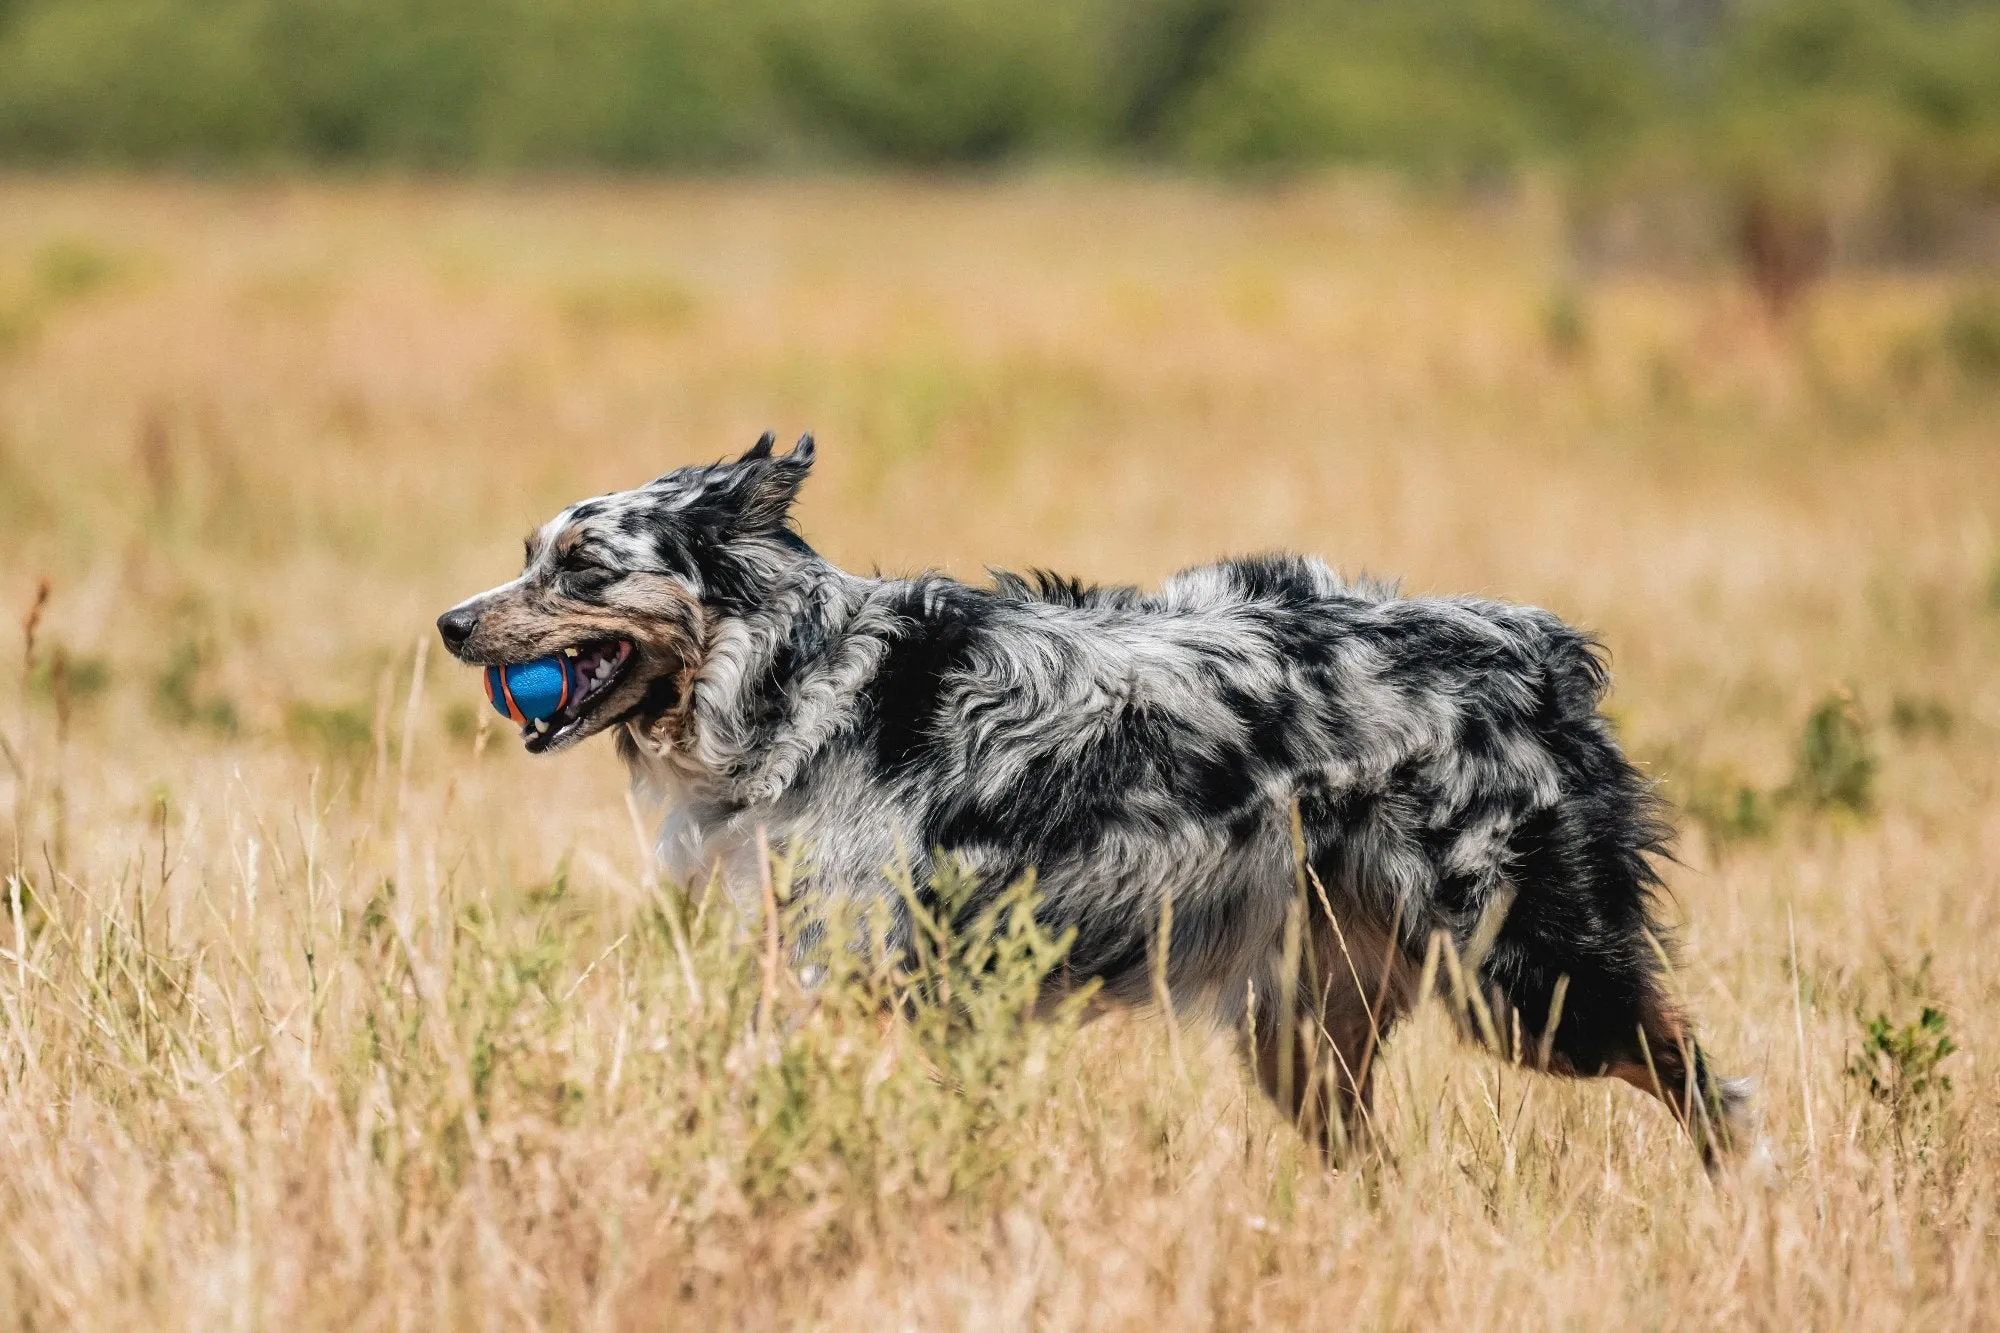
(323, 1006)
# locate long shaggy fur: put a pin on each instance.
(1445, 757)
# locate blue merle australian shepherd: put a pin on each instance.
(1443, 758)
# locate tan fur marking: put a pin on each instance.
(655, 614)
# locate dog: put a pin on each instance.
(1441, 763)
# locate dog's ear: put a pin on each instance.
(761, 485)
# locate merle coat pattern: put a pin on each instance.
(1445, 757)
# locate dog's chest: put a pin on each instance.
(695, 843)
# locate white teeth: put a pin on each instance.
(541, 727)
(569, 652)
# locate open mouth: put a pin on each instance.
(591, 669)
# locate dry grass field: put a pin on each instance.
(321, 1005)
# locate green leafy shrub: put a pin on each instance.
(1914, 716)
(345, 734)
(178, 696)
(1898, 1066)
(60, 272)
(461, 721)
(1565, 326)
(976, 1050)
(69, 269)
(1834, 767)
(1971, 337)
(807, 1067)
(81, 679)
(1729, 809)
(1834, 763)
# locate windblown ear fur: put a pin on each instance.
(762, 485)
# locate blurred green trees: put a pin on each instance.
(1457, 86)
(416, 82)
(1895, 99)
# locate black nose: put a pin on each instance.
(456, 625)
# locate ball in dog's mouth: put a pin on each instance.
(589, 671)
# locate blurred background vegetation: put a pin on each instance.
(1796, 128)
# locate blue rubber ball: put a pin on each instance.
(529, 691)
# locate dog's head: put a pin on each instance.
(627, 585)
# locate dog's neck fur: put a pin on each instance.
(787, 649)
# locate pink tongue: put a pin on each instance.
(585, 666)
